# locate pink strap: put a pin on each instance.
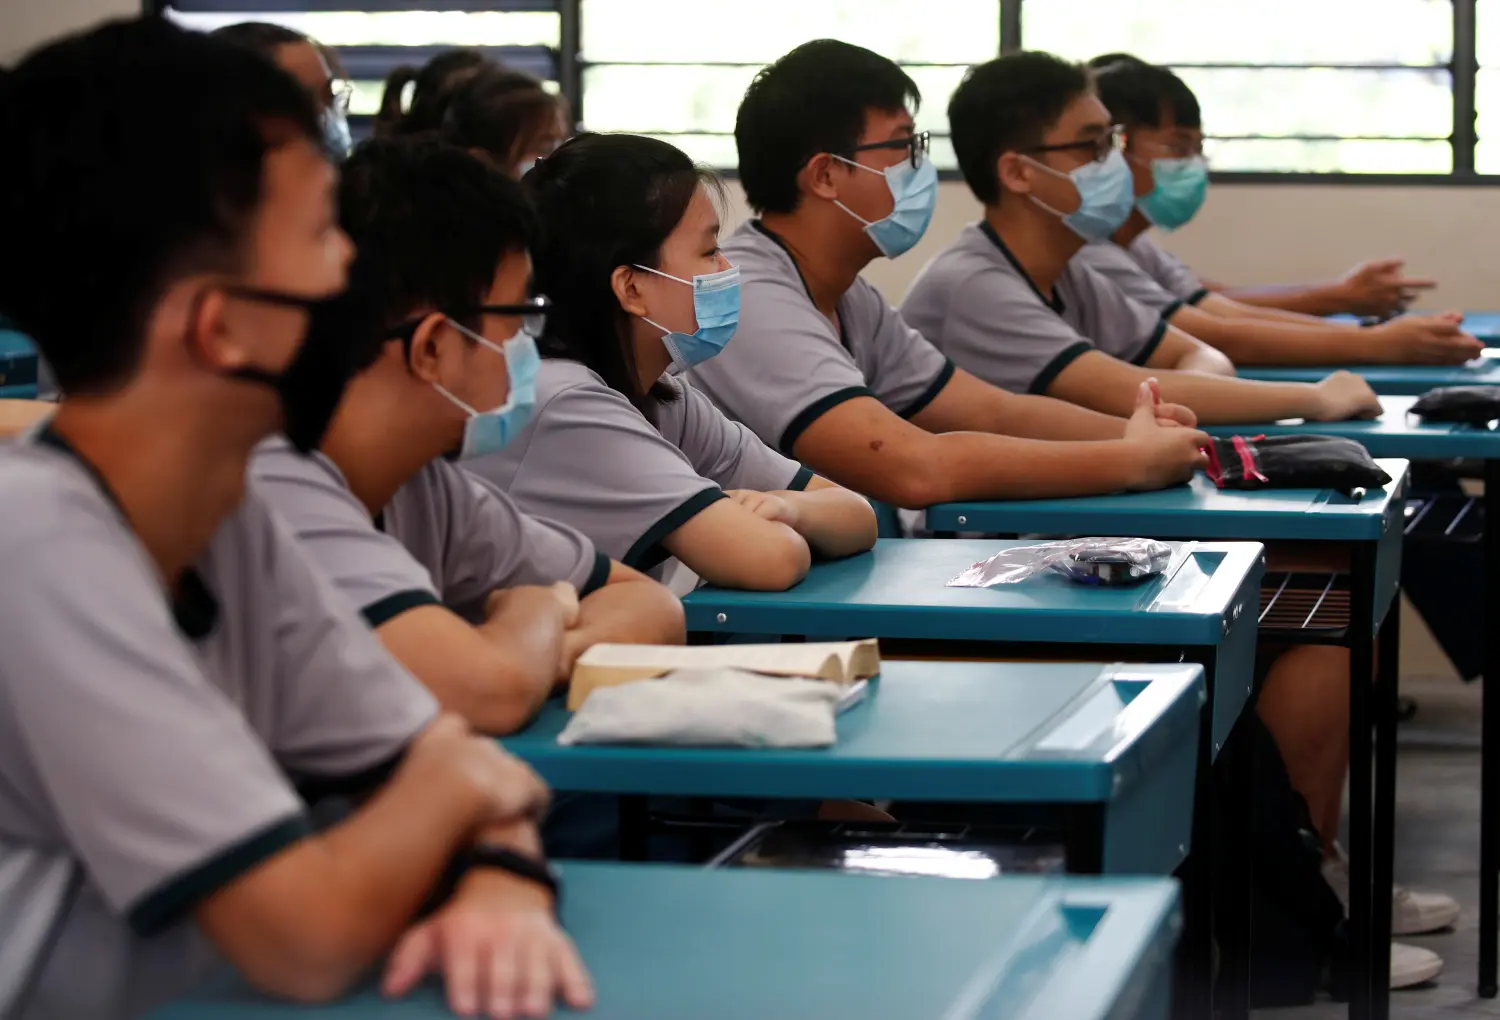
(1247, 459)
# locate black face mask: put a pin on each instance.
(311, 387)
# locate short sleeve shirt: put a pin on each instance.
(976, 303)
(788, 365)
(154, 744)
(589, 458)
(445, 537)
(1145, 272)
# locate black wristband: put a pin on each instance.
(533, 869)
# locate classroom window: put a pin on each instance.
(1287, 86)
(671, 68)
(371, 43)
(1352, 86)
(1487, 87)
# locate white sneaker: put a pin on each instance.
(1413, 965)
(1412, 912)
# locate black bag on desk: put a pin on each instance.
(1467, 405)
(1293, 462)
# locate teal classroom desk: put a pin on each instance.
(1397, 433)
(1396, 380)
(1111, 748)
(1371, 526)
(670, 943)
(1203, 612)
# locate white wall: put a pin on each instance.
(1286, 234)
(24, 23)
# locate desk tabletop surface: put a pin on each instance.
(1395, 380)
(899, 590)
(991, 732)
(1195, 510)
(673, 943)
(1396, 433)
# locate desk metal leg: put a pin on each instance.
(1362, 948)
(1196, 952)
(1387, 680)
(1489, 765)
(1232, 915)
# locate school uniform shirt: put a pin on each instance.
(788, 365)
(445, 538)
(152, 748)
(976, 303)
(590, 459)
(1143, 270)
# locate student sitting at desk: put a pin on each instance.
(1006, 302)
(308, 62)
(505, 116)
(1377, 288)
(622, 446)
(431, 85)
(487, 606)
(1164, 147)
(180, 683)
(824, 370)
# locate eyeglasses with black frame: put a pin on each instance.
(1099, 148)
(533, 314)
(919, 144)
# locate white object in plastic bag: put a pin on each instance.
(709, 708)
(1097, 561)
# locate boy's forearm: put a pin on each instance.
(639, 612)
(1036, 417)
(1308, 299)
(835, 522)
(1222, 401)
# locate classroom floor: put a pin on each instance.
(1437, 831)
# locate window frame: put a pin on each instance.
(570, 66)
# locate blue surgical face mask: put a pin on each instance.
(489, 431)
(337, 141)
(716, 305)
(1106, 191)
(914, 189)
(1180, 186)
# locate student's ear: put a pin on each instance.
(625, 281)
(819, 178)
(208, 335)
(425, 354)
(1013, 173)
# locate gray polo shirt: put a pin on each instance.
(1154, 277)
(445, 538)
(976, 303)
(153, 750)
(788, 365)
(591, 459)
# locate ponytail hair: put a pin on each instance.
(388, 118)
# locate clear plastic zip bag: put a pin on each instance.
(1094, 561)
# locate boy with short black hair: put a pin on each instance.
(488, 606)
(823, 369)
(1377, 288)
(180, 683)
(1164, 147)
(1006, 301)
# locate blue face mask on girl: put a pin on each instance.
(1106, 192)
(716, 305)
(489, 431)
(914, 189)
